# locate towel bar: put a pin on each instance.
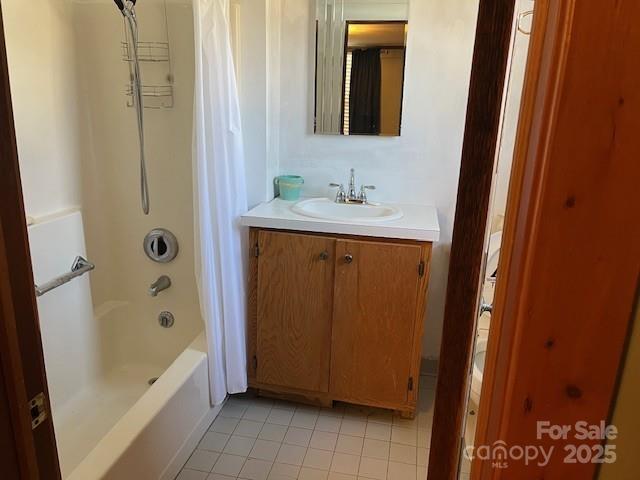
(79, 267)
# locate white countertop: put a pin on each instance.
(419, 222)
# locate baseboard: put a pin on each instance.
(429, 366)
(189, 445)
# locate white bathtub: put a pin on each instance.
(156, 435)
(110, 423)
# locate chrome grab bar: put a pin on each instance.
(79, 267)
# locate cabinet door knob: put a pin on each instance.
(348, 258)
(324, 256)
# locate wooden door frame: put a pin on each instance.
(33, 452)
(484, 110)
(575, 167)
(540, 361)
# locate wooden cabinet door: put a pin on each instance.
(376, 302)
(295, 303)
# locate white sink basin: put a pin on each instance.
(326, 209)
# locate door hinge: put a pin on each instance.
(421, 269)
(410, 385)
(38, 410)
(256, 251)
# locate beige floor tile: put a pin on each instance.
(403, 453)
(376, 449)
(282, 471)
(373, 468)
(318, 459)
(280, 417)
(356, 428)
(423, 456)
(323, 440)
(275, 433)
(312, 474)
(233, 410)
(214, 441)
(257, 413)
(255, 469)
(346, 442)
(265, 450)
(378, 431)
(248, 428)
(349, 444)
(188, 474)
(202, 460)
(304, 419)
(298, 436)
(341, 476)
(291, 454)
(424, 438)
(405, 436)
(345, 463)
(328, 424)
(217, 476)
(238, 445)
(224, 425)
(229, 465)
(422, 471)
(401, 471)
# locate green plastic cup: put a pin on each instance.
(289, 186)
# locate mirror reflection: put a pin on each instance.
(360, 63)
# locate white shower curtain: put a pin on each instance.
(220, 198)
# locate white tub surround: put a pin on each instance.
(419, 222)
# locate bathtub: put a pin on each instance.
(111, 420)
(156, 435)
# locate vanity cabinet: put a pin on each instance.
(335, 317)
(295, 291)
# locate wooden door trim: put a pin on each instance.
(21, 354)
(488, 74)
(564, 47)
(501, 334)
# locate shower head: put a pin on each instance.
(120, 4)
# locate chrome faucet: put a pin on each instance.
(159, 285)
(352, 185)
(352, 195)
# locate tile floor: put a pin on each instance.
(260, 439)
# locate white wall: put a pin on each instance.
(42, 68)
(251, 58)
(421, 166)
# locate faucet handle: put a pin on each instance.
(362, 196)
(341, 196)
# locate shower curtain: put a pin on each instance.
(364, 100)
(219, 200)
